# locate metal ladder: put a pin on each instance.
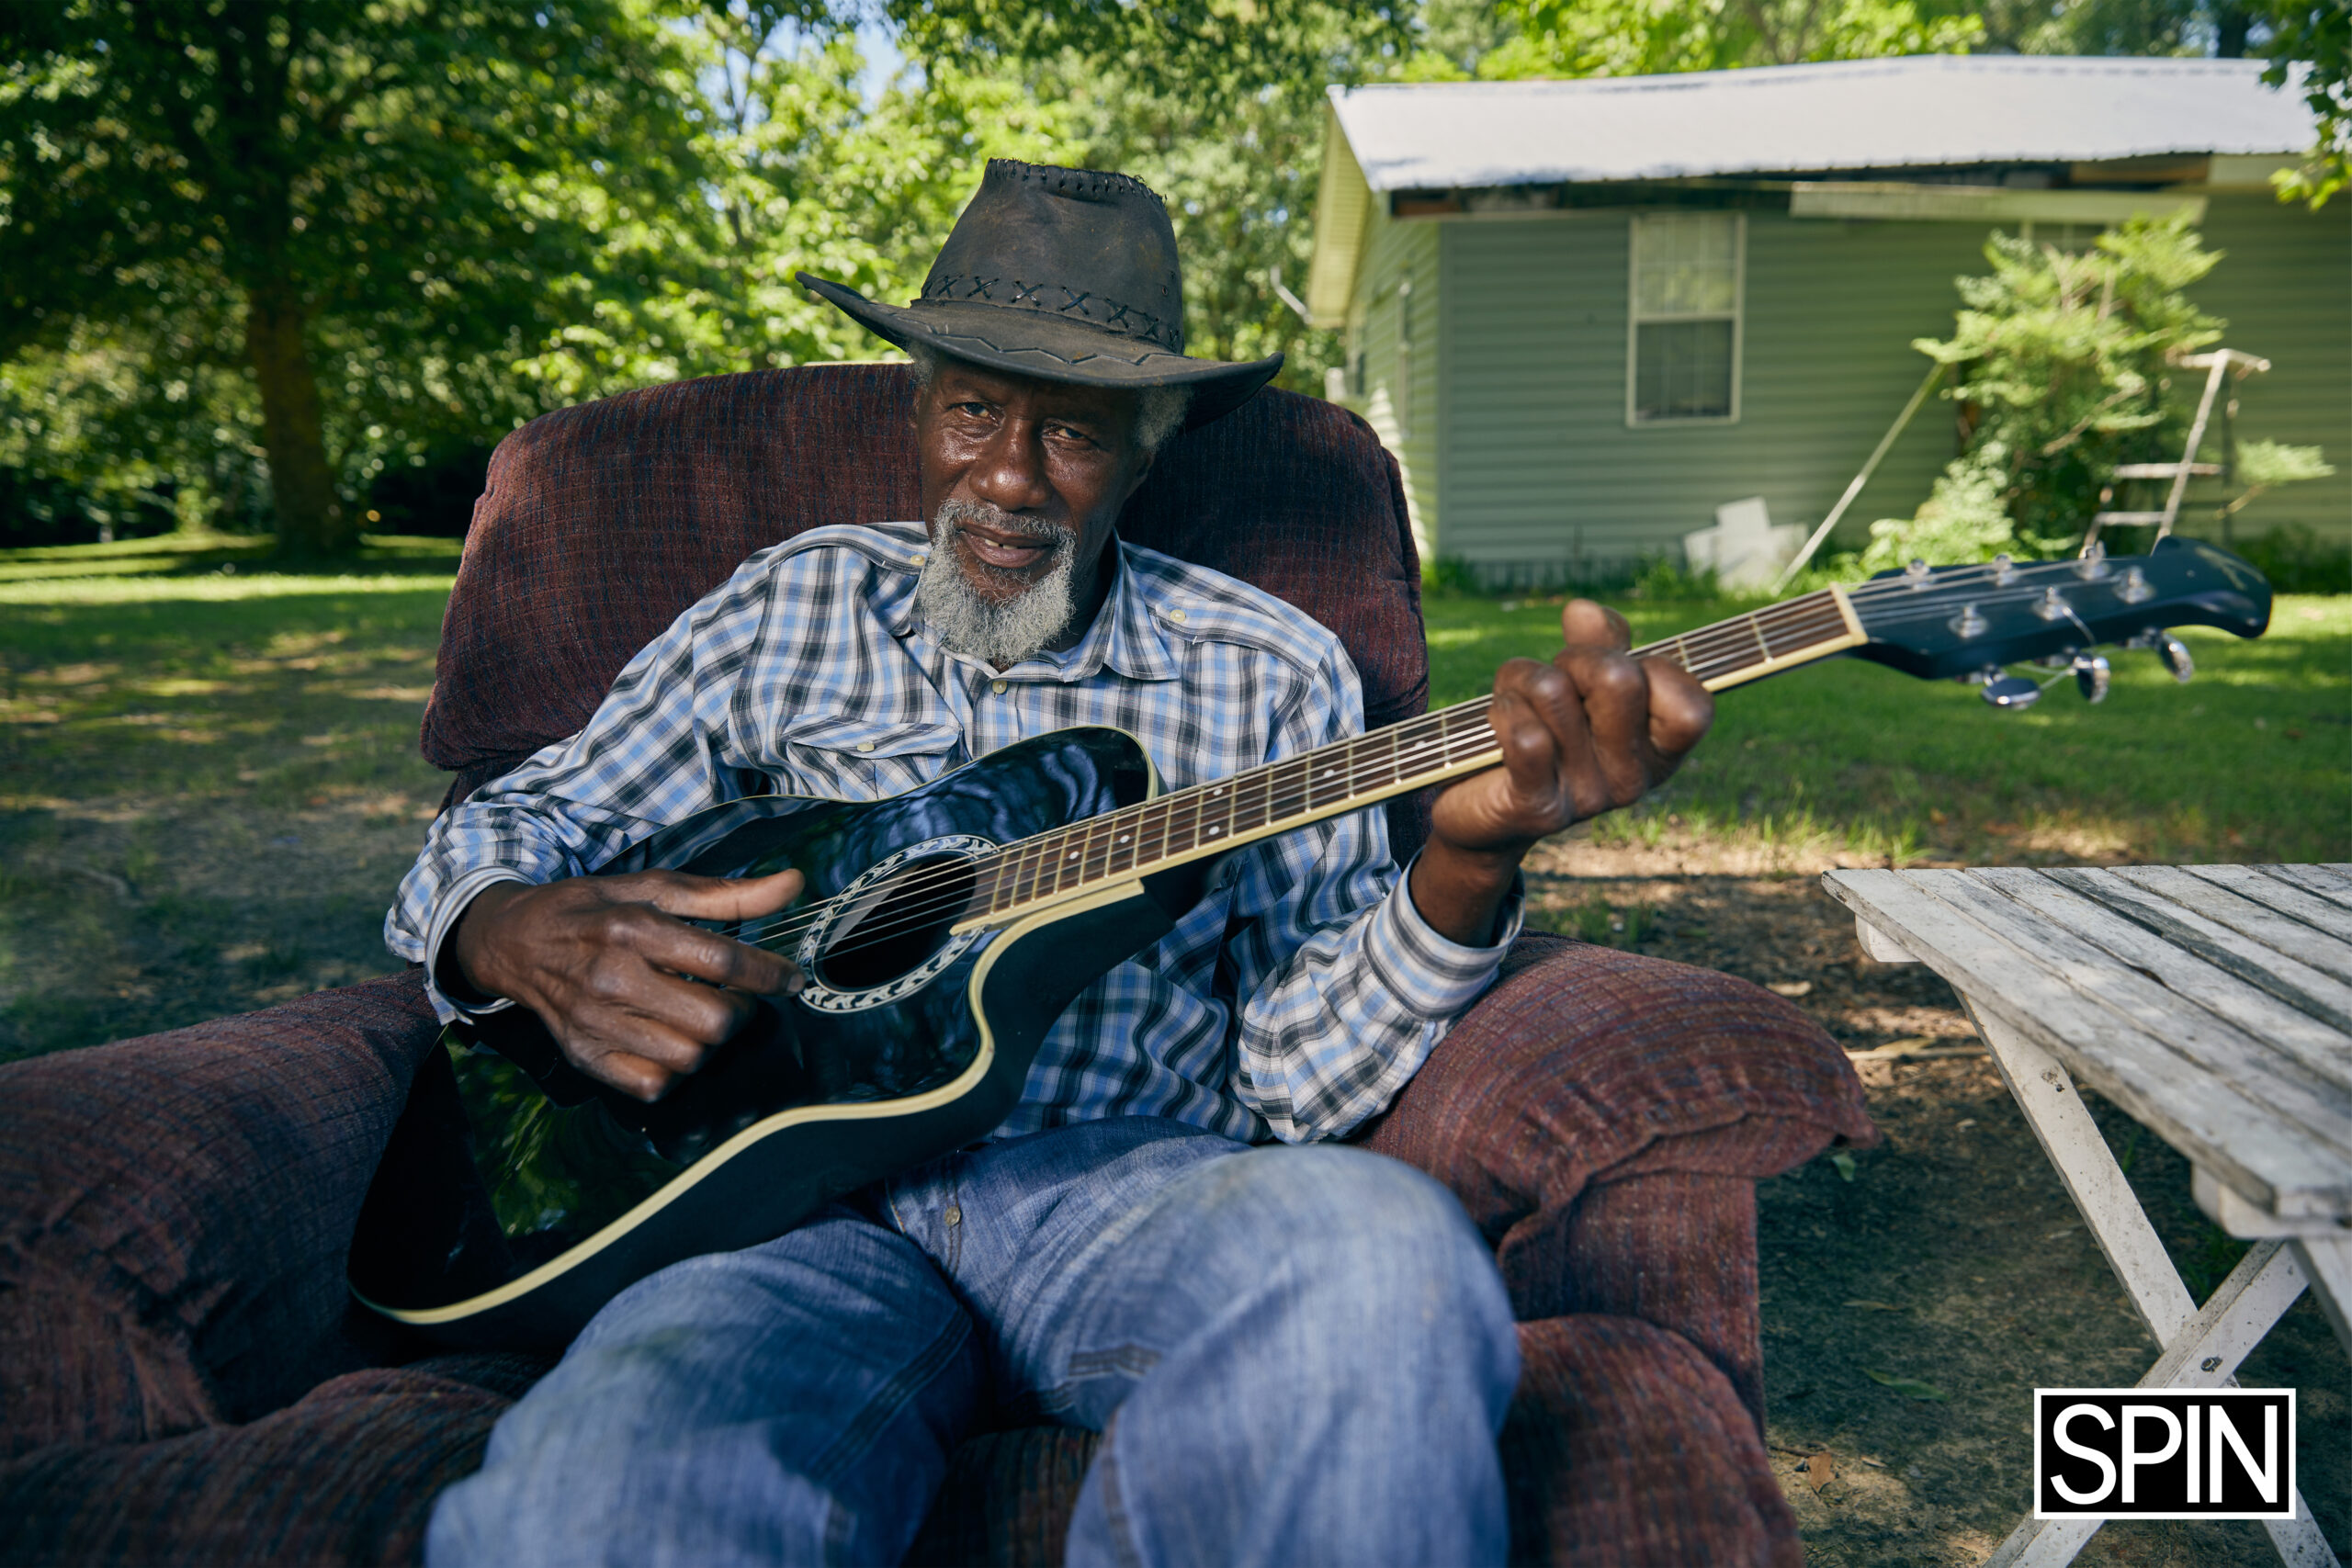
(2218, 365)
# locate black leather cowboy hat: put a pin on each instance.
(1067, 275)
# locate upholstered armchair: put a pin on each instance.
(184, 1379)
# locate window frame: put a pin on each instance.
(1635, 321)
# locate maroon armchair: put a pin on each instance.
(183, 1379)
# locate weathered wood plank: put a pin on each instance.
(2320, 997)
(2313, 879)
(2309, 1019)
(2039, 1082)
(2197, 1113)
(2241, 915)
(2247, 882)
(2200, 1049)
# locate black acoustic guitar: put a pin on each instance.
(944, 930)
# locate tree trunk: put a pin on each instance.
(2231, 25)
(311, 520)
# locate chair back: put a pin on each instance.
(601, 523)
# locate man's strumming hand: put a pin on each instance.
(611, 967)
(1592, 730)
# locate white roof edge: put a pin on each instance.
(1911, 111)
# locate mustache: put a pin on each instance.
(953, 515)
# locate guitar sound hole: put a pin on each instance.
(897, 924)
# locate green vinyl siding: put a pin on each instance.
(1544, 477)
(1400, 394)
(2285, 286)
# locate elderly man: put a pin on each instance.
(1298, 1351)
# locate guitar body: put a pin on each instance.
(901, 1049)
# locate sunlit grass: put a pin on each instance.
(208, 786)
(2253, 761)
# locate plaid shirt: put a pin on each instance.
(810, 673)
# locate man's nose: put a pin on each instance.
(1011, 472)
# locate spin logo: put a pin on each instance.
(2141, 1453)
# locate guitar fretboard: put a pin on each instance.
(1347, 775)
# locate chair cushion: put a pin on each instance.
(602, 522)
(1626, 1448)
(175, 1212)
(1586, 1064)
(348, 1475)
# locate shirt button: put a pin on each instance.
(866, 745)
(919, 559)
(954, 1216)
(996, 686)
(1175, 615)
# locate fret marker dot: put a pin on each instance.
(1123, 838)
(1215, 831)
(1073, 854)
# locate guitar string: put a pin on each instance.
(1420, 735)
(968, 874)
(1727, 638)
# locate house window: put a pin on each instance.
(1682, 362)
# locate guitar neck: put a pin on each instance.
(1364, 770)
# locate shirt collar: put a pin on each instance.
(1124, 638)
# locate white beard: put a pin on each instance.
(1000, 634)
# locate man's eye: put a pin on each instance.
(975, 410)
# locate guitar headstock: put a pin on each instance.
(1964, 621)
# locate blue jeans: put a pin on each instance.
(1295, 1356)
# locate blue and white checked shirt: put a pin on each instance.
(810, 672)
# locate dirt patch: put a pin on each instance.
(1912, 1305)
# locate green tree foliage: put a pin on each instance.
(362, 204)
(1628, 38)
(2067, 364)
(2316, 34)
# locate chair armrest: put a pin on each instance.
(175, 1212)
(1585, 1065)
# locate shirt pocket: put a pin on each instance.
(844, 756)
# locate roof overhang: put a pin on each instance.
(1342, 202)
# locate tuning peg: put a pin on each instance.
(2012, 693)
(2174, 653)
(2091, 676)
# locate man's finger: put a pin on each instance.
(1681, 708)
(720, 897)
(706, 955)
(1584, 623)
(632, 1073)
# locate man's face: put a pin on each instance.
(1022, 480)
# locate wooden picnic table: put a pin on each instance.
(2214, 1004)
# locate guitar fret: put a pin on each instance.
(1217, 804)
(1328, 782)
(1252, 797)
(1024, 871)
(1126, 825)
(1287, 788)
(988, 883)
(1053, 876)
(1151, 833)
(1184, 822)
(1096, 857)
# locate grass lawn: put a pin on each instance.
(209, 780)
(2250, 762)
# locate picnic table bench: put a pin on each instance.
(2211, 1003)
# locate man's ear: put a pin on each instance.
(1142, 474)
